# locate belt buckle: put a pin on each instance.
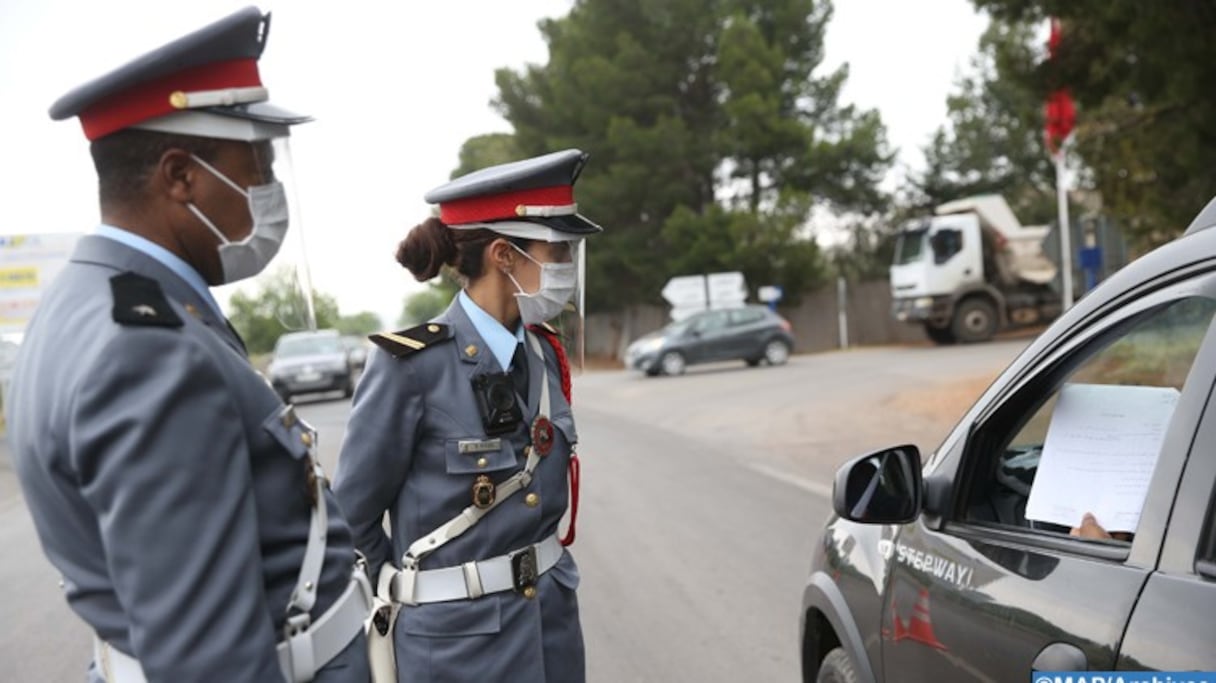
(524, 565)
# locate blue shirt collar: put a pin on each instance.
(166, 258)
(502, 342)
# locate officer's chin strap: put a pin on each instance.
(472, 514)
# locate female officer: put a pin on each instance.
(460, 432)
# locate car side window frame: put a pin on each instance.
(1040, 382)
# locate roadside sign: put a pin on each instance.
(686, 291)
(689, 294)
(28, 263)
(770, 293)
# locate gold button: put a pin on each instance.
(531, 500)
(192, 310)
(432, 328)
(482, 462)
(530, 592)
(306, 439)
(470, 350)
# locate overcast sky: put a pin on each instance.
(395, 88)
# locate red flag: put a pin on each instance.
(1060, 113)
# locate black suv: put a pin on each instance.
(751, 333)
(978, 567)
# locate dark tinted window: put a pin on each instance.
(946, 243)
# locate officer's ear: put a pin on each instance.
(175, 175)
(502, 256)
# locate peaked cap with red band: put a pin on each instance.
(206, 84)
(537, 190)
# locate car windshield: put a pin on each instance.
(910, 246)
(307, 346)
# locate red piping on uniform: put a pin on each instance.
(150, 100)
(503, 205)
(563, 368)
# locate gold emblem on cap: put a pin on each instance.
(432, 328)
(178, 99)
(470, 350)
(521, 210)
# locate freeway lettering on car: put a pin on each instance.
(936, 566)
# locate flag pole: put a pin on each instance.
(1065, 231)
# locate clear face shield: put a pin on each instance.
(279, 297)
(571, 320)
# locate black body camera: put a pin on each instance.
(500, 412)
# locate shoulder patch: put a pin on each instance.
(139, 300)
(406, 342)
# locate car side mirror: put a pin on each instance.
(883, 487)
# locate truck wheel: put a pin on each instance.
(939, 335)
(837, 668)
(974, 321)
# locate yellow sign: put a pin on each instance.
(19, 277)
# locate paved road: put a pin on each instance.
(701, 497)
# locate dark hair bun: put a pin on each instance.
(427, 248)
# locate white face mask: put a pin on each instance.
(268, 207)
(557, 284)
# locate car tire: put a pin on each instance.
(940, 335)
(837, 667)
(974, 321)
(776, 352)
(672, 363)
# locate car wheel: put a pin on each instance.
(776, 352)
(836, 667)
(974, 321)
(939, 335)
(672, 363)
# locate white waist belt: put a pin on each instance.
(323, 640)
(475, 579)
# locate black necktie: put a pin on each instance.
(519, 371)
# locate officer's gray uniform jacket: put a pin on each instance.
(163, 485)
(401, 455)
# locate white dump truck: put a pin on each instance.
(970, 270)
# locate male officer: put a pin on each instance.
(168, 484)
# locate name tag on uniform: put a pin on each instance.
(480, 446)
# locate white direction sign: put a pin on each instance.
(689, 294)
(686, 291)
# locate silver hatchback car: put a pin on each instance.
(750, 333)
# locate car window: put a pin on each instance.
(1076, 420)
(746, 316)
(307, 346)
(709, 322)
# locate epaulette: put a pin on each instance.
(139, 300)
(406, 342)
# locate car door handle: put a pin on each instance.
(1061, 657)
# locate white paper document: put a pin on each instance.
(1099, 455)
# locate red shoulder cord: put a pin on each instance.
(563, 367)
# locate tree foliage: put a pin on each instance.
(1142, 74)
(993, 143)
(276, 308)
(430, 302)
(712, 133)
(359, 324)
